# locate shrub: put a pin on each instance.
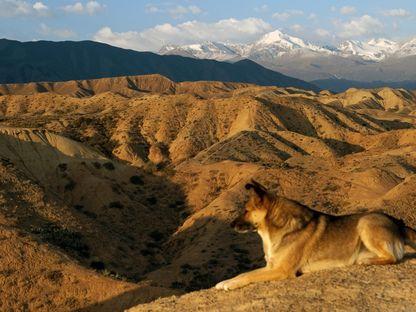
(70, 186)
(90, 214)
(152, 200)
(137, 180)
(116, 205)
(156, 235)
(147, 252)
(109, 166)
(97, 265)
(55, 276)
(63, 167)
(79, 207)
(66, 239)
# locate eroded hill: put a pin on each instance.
(129, 184)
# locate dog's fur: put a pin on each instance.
(297, 239)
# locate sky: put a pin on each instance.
(148, 25)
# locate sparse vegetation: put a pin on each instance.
(70, 186)
(157, 235)
(170, 221)
(151, 200)
(63, 167)
(97, 265)
(109, 166)
(137, 180)
(66, 239)
(116, 205)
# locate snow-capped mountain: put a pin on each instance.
(206, 50)
(273, 44)
(374, 50)
(281, 43)
(373, 60)
(407, 49)
(276, 44)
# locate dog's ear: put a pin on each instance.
(258, 189)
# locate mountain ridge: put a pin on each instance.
(341, 85)
(70, 60)
(376, 59)
(371, 50)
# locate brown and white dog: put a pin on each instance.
(297, 239)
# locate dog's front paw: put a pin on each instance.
(229, 284)
(220, 285)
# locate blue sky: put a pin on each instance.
(147, 25)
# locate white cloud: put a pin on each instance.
(397, 13)
(262, 8)
(194, 9)
(151, 8)
(60, 33)
(365, 25)
(179, 10)
(346, 10)
(74, 8)
(322, 32)
(40, 7)
(312, 16)
(152, 39)
(13, 8)
(283, 16)
(296, 28)
(91, 7)
(295, 12)
(10, 8)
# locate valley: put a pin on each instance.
(117, 193)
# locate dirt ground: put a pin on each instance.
(118, 193)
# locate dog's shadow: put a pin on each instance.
(207, 252)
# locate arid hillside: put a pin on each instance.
(116, 192)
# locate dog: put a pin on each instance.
(297, 239)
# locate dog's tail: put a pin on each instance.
(409, 236)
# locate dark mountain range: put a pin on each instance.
(61, 61)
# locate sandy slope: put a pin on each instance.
(352, 289)
(129, 184)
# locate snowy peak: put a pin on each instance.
(275, 44)
(206, 50)
(284, 43)
(375, 49)
(408, 48)
(277, 37)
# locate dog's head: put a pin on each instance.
(255, 210)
